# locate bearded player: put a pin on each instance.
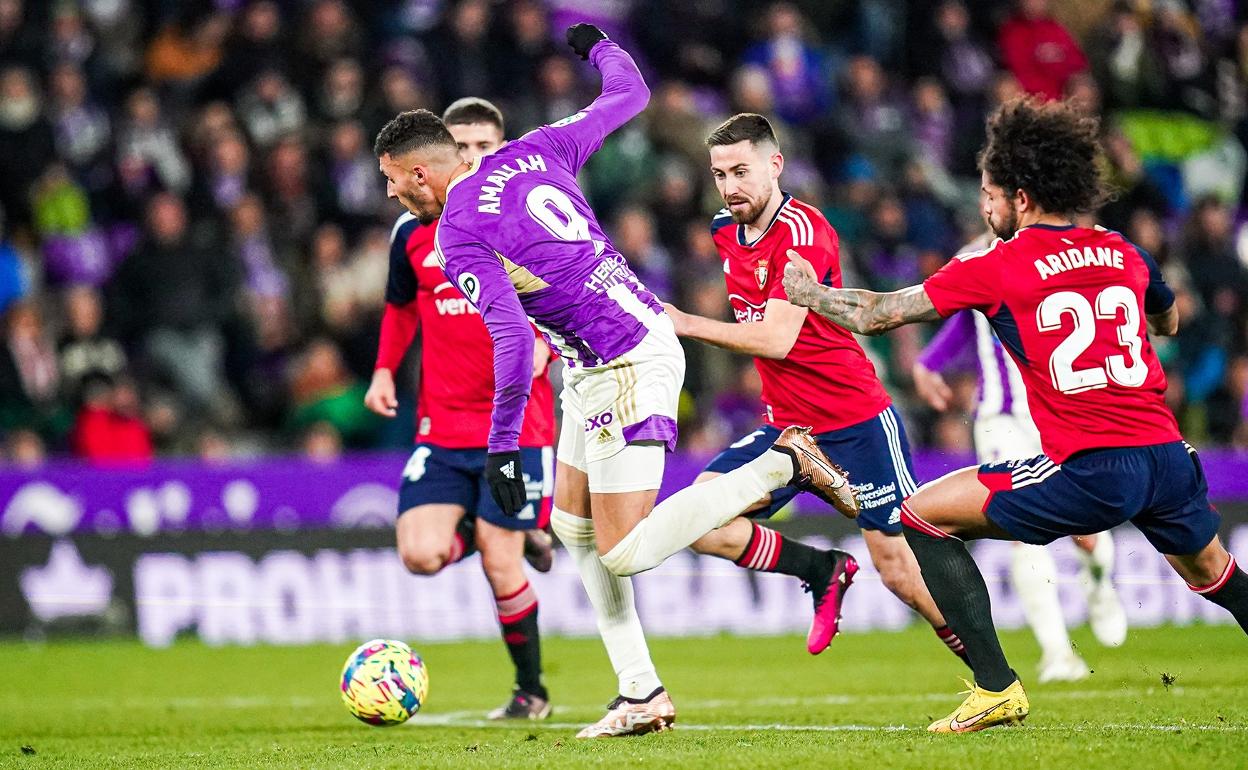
(1004, 431)
(813, 372)
(445, 510)
(1074, 307)
(518, 238)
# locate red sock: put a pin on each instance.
(951, 640)
(517, 614)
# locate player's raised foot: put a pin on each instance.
(539, 550)
(630, 716)
(1068, 667)
(814, 472)
(522, 705)
(828, 597)
(984, 708)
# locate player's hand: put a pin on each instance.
(380, 397)
(680, 319)
(506, 480)
(931, 387)
(801, 285)
(541, 357)
(583, 37)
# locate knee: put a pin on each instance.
(423, 560)
(500, 564)
(899, 578)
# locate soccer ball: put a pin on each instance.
(384, 682)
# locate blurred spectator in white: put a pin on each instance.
(1124, 61)
(341, 95)
(271, 108)
(1039, 50)
(145, 135)
(84, 348)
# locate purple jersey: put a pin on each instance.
(967, 341)
(518, 238)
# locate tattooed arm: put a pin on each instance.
(858, 310)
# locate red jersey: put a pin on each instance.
(456, 357)
(1070, 305)
(825, 381)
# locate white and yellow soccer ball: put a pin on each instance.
(384, 682)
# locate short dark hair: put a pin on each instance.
(412, 130)
(1050, 149)
(743, 127)
(471, 110)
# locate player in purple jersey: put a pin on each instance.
(1003, 431)
(518, 238)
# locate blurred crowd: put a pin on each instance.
(194, 244)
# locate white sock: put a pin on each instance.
(612, 598)
(1101, 558)
(689, 514)
(1035, 580)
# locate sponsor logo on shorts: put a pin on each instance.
(604, 436)
(601, 421)
(871, 496)
(895, 516)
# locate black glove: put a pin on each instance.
(582, 38)
(503, 474)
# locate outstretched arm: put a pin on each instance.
(858, 310)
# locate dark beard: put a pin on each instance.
(749, 215)
(1008, 228)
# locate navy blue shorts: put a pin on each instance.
(435, 474)
(874, 453)
(1160, 489)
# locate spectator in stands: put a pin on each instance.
(1040, 52)
(27, 146)
(634, 236)
(271, 109)
(872, 119)
(145, 136)
(795, 67)
(84, 349)
(172, 296)
(109, 429)
(1124, 61)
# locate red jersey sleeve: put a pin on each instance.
(971, 280)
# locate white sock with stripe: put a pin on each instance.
(689, 514)
(1034, 577)
(612, 598)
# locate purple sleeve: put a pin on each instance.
(948, 349)
(480, 275)
(624, 95)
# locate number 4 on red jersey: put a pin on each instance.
(1070, 304)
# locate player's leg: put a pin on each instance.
(1180, 523)
(643, 704)
(432, 530)
(827, 574)
(1213, 573)
(1106, 615)
(938, 518)
(501, 554)
(1034, 577)
(1033, 573)
(899, 572)
(635, 535)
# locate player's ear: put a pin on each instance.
(777, 164)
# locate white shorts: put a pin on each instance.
(631, 399)
(1004, 437)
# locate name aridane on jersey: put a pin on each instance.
(1079, 334)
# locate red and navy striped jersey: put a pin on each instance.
(826, 381)
(1070, 304)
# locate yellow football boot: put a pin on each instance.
(984, 708)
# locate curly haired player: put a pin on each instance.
(1074, 307)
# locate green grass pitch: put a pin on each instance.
(742, 702)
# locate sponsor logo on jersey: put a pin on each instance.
(760, 273)
(470, 285)
(745, 311)
(454, 306)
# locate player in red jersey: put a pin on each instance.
(1074, 306)
(446, 511)
(814, 373)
